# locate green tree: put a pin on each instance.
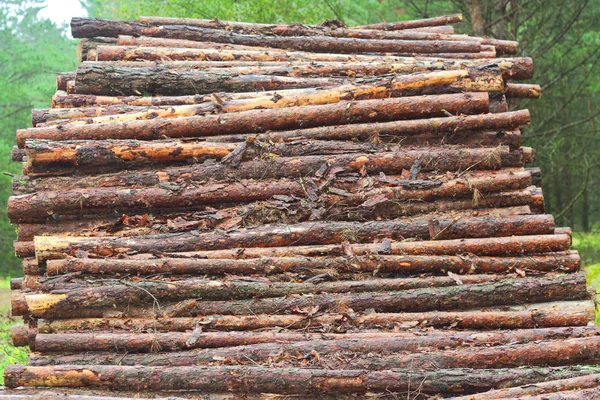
(32, 52)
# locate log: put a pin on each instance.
(504, 46)
(16, 283)
(376, 88)
(540, 388)
(541, 315)
(433, 159)
(63, 78)
(311, 266)
(341, 113)
(51, 247)
(363, 354)
(411, 24)
(514, 68)
(498, 103)
(320, 44)
(281, 380)
(87, 45)
(20, 335)
(17, 154)
(508, 292)
(77, 296)
(24, 249)
(522, 90)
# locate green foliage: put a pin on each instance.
(32, 52)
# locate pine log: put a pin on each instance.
(541, 315)
(376, 88)
(310, 266)
(16, 283)
(504, 46)
(441, 159)
(77, 296)
(344, 112)
(20, 335)
(24, 249)
(508, 292)
(522, 90)
(498, 103)
(417, 23)
(514, 68)
(321, 44)
(17, 154)
(99, 394)
(281, 380)
(372, 354)
(63, 78)
(541, 388)
(50, 247)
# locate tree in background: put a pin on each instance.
(32, 52)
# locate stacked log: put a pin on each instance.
(213, 209)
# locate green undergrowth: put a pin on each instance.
(588, 245)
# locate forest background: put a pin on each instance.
(562, 37)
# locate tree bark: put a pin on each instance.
(63, 78)
(508, 292)
(440, 159)
(319, 44)
(370, 354)
(280, 380)
(540, 388)
(542, 315)
(51, 247)
(376, 88)
(382, 264)
(522, 90)
(253, 121)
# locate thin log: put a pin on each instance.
(50, 247)
(320, 44)
(63, 78)
(540, 388)
(440, 159)
(24, 249)
(522, 90)
(380, 264)
(542, 315)
(281, 380)
(341, 113)
(364, 354)
(376, 88)
(411, 24)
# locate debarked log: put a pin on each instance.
(255, 121)
(308, 233)
(281, 380)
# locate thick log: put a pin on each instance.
(376, 88)
(20, 335)
(24, 249)
(540, 388)
(364, 354)
(311, 266)
(541, 315)
(341, 113)
(281, 380)
(320, 44)
(522, 90)
(440, 159)
(49, 247)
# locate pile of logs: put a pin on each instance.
(211, 209)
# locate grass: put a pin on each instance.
(588, 245)
(8, 354)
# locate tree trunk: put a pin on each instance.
(541, 315)
(281, 380)
(308, 233)
(253, 121)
